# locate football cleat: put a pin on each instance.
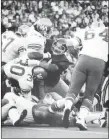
(80, 123)
(103, 119)
(66, 118)
(22, 116)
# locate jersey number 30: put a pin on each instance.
(20, 71)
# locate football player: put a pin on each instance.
(61, 58)
(12, 47)
(13, 44)
(43, 114)
(88, 69)
(18, 108)
(31, 43)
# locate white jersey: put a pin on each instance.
(75, 42)
(6, 37)
(34, 43)
(94, 42)
(33, 32)
(21, 103)
(12, 47)
(23, 74)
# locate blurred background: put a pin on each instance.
(66, 15)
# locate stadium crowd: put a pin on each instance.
(65, 15)
(41, 55)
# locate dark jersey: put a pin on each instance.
(60, 60)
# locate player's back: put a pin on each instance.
(94, 42)
(34, 43)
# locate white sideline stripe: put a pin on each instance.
(54, 130)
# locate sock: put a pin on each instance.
(13, 115)
(68, 104)
(95, 102)
(84, 111)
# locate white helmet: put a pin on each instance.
(23, 30)
(43, 26)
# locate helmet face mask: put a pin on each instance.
(59, 47)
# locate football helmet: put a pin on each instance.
(23, 30)
(39, 73)
(59, 46)
(43, 26)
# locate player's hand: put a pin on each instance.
(47, 55)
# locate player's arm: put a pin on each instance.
(38, 56)
(47, 66)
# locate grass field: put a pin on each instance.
(36, 131)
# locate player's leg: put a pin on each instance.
(4, 102)
(7, 102)
(5, 110)
(105, 98)
(11, 109)
(15, 116)
(26, 104)
(97, 96)
(61, 88)
(95, 72)
(99, 117)
(77, 81)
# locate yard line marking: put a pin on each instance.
(54, 130)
